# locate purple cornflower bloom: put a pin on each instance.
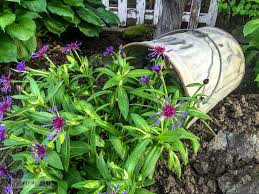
(170, 111)
(156, 68)
(4, 172)
(2, 133)
(144, 79)
(38, 152)
(41, 53)
(8, 189)
(72, 46)
(108, 51)
(157, 51)
(21, 66)
(57, 124)
(5, 81)
(5, 105)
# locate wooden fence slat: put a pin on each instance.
(106, 3)
(213, 13)
(123, 11)
(157, 11)
(195, 13)
(141, 8)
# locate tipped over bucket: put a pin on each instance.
(196, 55)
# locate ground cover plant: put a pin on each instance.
(92, 129)
(22, 21)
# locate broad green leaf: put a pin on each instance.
(17, 1)
(6, 18)
(102, 167)
(77, 3)
(62, 187)
(89, 30)
(35, 5)
(60, 9)
(89, 16)
(8, 49)
(22, 29)
(26, 48)
(54, 160)
(78, 148)
(89, 184)
(134, 157)
(65, 152)
(140, 122)
(72, 176)
(251, 27)
(119, 147)
(56, 26)
(139, 72)
(76, 20)
(123, 102)
(108, 16)
(169, 136)
(26, 14)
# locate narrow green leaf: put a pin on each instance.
(65, 152)
(123, 101)
(38, 129)
(53, 90)
(34, 87)
(140, 122)
(102, 167)
(112, 82)
(198, 113)
(119, 147)
(78, 148)
(54, 160)
(97, 94)
(89, 184)
(139, 72)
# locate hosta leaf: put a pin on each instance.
(6, 18)
(55, 26)
(108, 16)
(27, 14)
(90, 16)
(60, 9)
(35, 5)
(22, 29)
(76, 20)
(123, 102)
(26, 48)
(54, 160)
(8, 49)
(77, 3)
(89, 30)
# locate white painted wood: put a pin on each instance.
(106, 3)
(123, 11)
(157, 11)
(140, 10)
(213, 13)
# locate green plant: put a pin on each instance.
(21, 19)
(93, 130)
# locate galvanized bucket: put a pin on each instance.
(204, 53)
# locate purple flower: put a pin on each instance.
(144, 79)
(124, 192)
(108, 51)
(41, 53)
(4, 172)
(38, 152)
(5, 81)
(5, 105)
(72, 46)
(156, 68)
(8, 189)
(157, 51)
(171, 112)
(21, 66)
(2, 133)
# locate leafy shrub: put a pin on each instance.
(19, 19)
(97, 129)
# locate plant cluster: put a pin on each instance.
(22, 20)
(90, 129)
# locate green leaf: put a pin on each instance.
(17, 1)
(97, 94)
(6, 18)
(78, 148)
(89, 30)
(112, 82)
(8, 49)
(102, 167)
(174, 163)
(123, 102)
(53, 90)
(38, 129)
(107, 126)
(251, 27)
(106, 71)
(108, 16)
(35, 5)
(143, 191)
(65, 152)
(26, 14)
(56, 26)
(15, 141)
(76, 3)
(22, 29)
(90, 16)
(89, 184)
(26, 48)
(140, 122)
(139, 72)
(60, 9)
(197, 113)
(62, 187)
(180, 147)
(135, 156)
(54, 160)
(34, 87)
(169, 136)
(119, 147)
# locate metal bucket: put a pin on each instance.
(204, 53)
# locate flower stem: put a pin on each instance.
(49, 60)
(163, 82)
(77, 55)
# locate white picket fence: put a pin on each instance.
(141, 14)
